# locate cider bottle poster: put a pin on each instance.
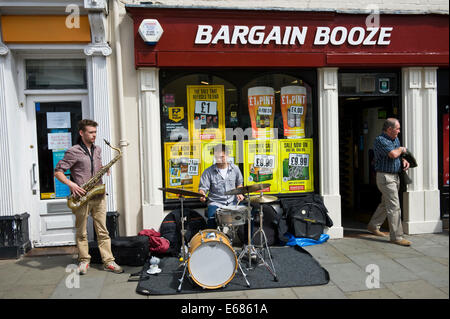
(206, 112)
(296, 165)
(261, 107)
(208, 153)
(182, 165)
(261, 164)
(293, 109)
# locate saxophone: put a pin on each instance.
(91, 187)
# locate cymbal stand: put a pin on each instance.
(263, 246)
(249, 248)
(183, 250)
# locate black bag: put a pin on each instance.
(171, 228)
(270, 226)
(306, 217)
(130, 251)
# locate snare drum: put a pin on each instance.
(232, 215)
(212, 261)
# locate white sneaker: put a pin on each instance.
(83, 267)
(112, 266)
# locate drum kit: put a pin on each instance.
(210, 258)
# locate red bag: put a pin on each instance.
(157, 244)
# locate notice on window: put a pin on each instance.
(296, 165)
(261, 107)
(206, 112)
(208, 158)
(58, 120)
(59, 141)
(293, 109)
(261, 164)
(182, 166)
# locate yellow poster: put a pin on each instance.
(261, 164)
(206, 112)
(208, 153)
(182, 166)
(296, 165)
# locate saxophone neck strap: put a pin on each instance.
(90, 154)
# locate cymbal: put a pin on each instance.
(180, 191)
(264, 199)
(247, 189)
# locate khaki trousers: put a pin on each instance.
(389, 185)
(97, 208)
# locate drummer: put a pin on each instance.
(218, 179)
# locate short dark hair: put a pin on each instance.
(220, 148)
(86, 122)
(389, 123)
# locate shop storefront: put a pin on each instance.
(284, 89)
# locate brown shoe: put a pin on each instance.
(376, 232)
(401, 242)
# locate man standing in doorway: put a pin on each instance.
(388, 163)
(84, 161)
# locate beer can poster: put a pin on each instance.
(182, 169)
(261, 106)
(296, 165)
(208, 153)
(206, 111)
(293, 108)
(261, 164)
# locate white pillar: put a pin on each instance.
(6, 200)
(99, 104)
(329, 147)
(421, 213)
(150, 149)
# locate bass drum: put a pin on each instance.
(212, 261)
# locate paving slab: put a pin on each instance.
(418, 289)
(348, 277)
(433, 251)
(351, 246)
(329, 291)
(388, 269)
(278, 293)
(120, 290)
(428, 269)
(89, 286)
(381, 293)
(327, 254)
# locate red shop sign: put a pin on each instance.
(249, 38)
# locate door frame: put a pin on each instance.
(42, 211)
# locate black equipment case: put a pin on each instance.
(130, 251)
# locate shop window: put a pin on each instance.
(370, 84)
(55, 74)
(266, 119)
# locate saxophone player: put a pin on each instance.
(84, 161)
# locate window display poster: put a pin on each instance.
(293, 109)
(182, 166)
(174, 119)
(261, 164)
(61, 190)
(261, 107)
(58, 120)
(296, 165)
(208, 153)
(206, 112)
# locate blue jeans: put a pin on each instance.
(211, 215)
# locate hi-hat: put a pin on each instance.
(180, 191)
(264, 199)
(247, 189)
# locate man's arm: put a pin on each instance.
(74, 188)
(397, 152)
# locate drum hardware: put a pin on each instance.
(181, 192)
(263, 246)
(249, 249)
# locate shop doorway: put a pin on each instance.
(360, 121)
